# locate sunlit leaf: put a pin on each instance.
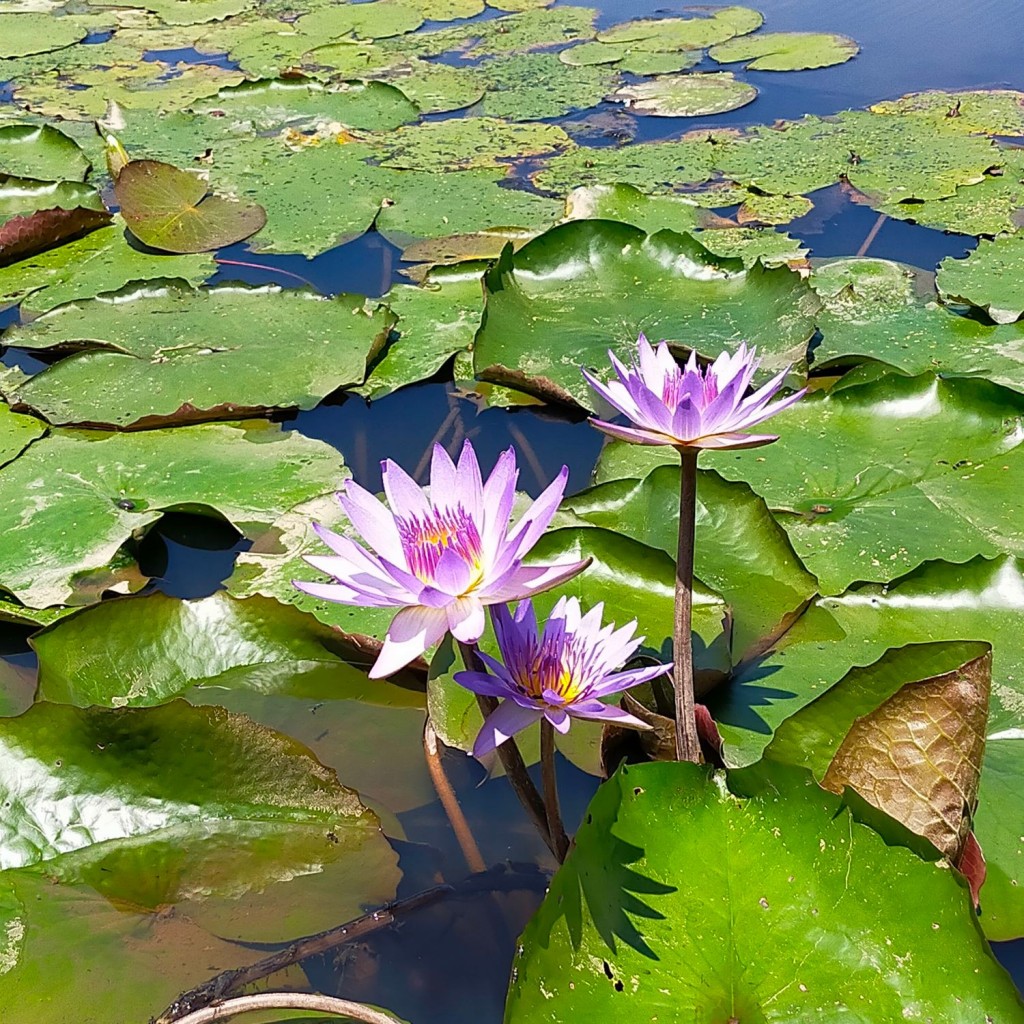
(740, 550)
(872, 480)
(620, 281)
(36, 215)
(786, 51)
(687, 95)
(458, 144)
(40, 152)
(142, 651)
(26, 33)
(212, 360)
(530, 86)
(988, 278)
(436, 319)
(686, 33)
(102, 489)
(102, 261)
(773, 928)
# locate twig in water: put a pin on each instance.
(264, 266)
(421, 466)
(528, 453)
(290, 1001)
(225, 984)
(872, 234)
(450, 802)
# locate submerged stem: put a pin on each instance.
(687, 741)
(511, 759)
(547, 769)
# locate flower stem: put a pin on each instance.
(511, 759)
(547, 770)
(687, 742)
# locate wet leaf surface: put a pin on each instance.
(786, 51)
(874, 479)
(627, 921)
(102, 489)
(102, 261)
(41, 152)
(740, 550)
(213, 362)
(687, 95)
(988, 278)
(590, 270)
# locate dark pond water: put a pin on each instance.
(449, 964)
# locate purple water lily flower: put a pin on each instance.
(689, 408)
(440, 559)
(558, 674)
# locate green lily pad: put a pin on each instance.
(297, 102)
(874, 479)
(102, 261)
(937, 603)
(41, 152)
(992, 206)
(741, 552)
(687, 95)
(37, 215)
(424, 206)
(169, 209)
(753, 245)
(875, 309)
(325, 193)
(518, 5)
(641, 57)
(17, 432)
(773, 209)
(143, 651)
(26, 33)
(446, 10)
(916, 160)
(787, 51)
(193, 12)
(435, 320)
(515, 33)
(649, 166)
(135, 86)
(459, 144)
(988, 278)
(435, 88)
(213, 360)
(797, 894)
(234, 823)
(627, 204)
(101, 489)
(686, 33)
(620, 281)
(638, 60)
(529, 86)
(989, 111)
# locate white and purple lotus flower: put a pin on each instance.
(558, 673)
(439, 558)
(689, 408)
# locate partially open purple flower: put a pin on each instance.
(440, 559)
(689, 408)
(556, 674)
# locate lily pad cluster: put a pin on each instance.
(878, 547)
